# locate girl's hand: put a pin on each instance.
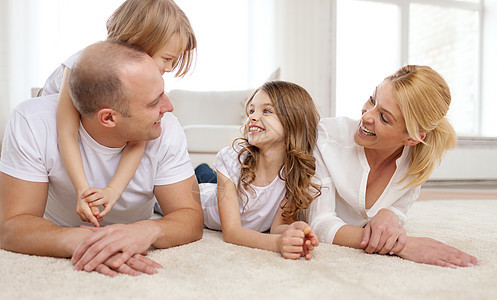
(87, 213)
(297, 240)
(106, 197)
(384, 234)
(311, 241)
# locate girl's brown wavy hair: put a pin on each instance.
(298, 115)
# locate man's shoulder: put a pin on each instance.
(38, 106)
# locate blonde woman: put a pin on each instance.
(264, 179)
(162, 30)
(372, 169)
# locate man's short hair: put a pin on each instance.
(95, 81)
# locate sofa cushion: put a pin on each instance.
(209, 107)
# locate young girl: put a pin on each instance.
(162, 30)
(264, 179)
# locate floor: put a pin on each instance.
(440, 190)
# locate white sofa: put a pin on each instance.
(211, 120)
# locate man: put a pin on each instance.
(37, 207)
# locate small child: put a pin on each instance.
(264, 179)
(162, 30)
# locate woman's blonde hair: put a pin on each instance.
(151, 24)
(424, 98)
(298, 115)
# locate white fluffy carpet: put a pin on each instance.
(211, 268)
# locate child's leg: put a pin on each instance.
(205, 174)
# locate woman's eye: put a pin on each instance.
(267, 111)
(251, 111)
(383, 118)
(371, 99)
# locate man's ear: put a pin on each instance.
(107, 117)
(412, 142)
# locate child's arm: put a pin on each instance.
(67, 135)
(126, 169)
(289, 244)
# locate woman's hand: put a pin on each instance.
(384, 234)
(429, 251)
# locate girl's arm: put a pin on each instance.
(289, 244)
(130, 160)
(67, 135)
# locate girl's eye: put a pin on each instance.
(267, 111)
(251, 111)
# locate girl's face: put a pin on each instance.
(263, 125)
(168, 54)
(382, 125)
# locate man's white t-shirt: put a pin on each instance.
(30, 153)
(256, 214)
(342, 169)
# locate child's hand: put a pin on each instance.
(311, 241)
(106, 197)
(310, 238)
(297, 241)
(384, 234)
(87, 213)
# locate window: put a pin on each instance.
(376, 37)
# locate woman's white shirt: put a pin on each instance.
(342, 169)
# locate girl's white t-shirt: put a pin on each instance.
(256, 214)
(54, 81)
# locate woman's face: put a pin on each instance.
(382, 126)
(165, 57)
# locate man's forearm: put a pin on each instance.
(179, 227)
(37, 236)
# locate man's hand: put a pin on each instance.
(119, 240)
(136, 265)
(384, 234)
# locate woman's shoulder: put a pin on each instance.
(338, 129)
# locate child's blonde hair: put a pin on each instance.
(424, 98)
(151, 24)
(299, 117)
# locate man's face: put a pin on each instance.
(147, 102)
